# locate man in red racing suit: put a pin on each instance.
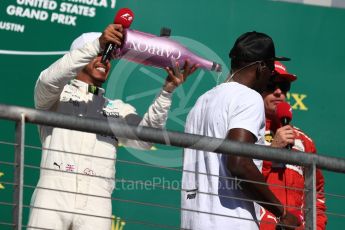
(287, 181)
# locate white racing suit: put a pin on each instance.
(80, 174)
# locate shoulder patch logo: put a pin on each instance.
(269, 137)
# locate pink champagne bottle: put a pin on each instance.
(161, 52)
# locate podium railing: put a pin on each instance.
(22, 115)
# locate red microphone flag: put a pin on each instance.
(124, 17)
(284, 111)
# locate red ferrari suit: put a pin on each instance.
(291, 176)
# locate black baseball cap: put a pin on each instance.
(254, 46)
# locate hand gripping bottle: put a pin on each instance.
(161, 52)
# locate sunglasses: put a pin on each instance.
(282, 85)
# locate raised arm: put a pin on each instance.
(53, 79)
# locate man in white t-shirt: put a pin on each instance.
(233, 110)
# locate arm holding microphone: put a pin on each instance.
(124, 17)
(83, 50)
(283, 137)
(113, 34)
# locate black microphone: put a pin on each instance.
(284, 114)
(125, 18)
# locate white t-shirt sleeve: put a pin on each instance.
(248, 113)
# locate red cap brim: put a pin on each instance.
(289, 77)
